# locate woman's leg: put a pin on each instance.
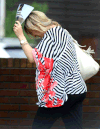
(45, 117)
(73, 111)
(73, 118)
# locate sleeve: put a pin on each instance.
(43, 52)
(60, 38)
(51, 46)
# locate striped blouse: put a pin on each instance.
(57, 69)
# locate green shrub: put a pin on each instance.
(10, 17)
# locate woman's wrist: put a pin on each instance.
(22, 38)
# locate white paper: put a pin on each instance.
(23, 12)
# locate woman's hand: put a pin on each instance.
(18, 30)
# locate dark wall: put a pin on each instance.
(80, 17)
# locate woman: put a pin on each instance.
(59, 85)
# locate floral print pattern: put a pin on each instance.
(44, 79)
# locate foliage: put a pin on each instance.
(10, 4)
(11, 13)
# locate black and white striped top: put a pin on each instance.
(57, 72)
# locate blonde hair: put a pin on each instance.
(38, 21)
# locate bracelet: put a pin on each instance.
(24, 44)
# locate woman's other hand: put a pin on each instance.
(18, 30)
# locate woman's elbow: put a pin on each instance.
(31, 61)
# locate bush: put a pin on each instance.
(10, 17)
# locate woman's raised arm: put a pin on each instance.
(25, 46)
